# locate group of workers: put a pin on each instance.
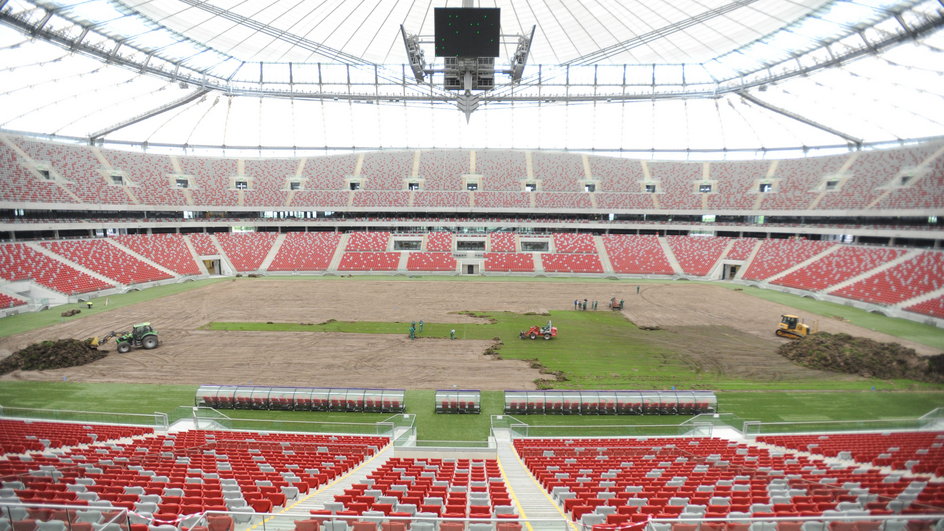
(414, 331)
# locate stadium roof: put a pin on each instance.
(632, 75)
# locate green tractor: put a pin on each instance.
(142, 335)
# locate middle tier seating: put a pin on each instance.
(106, 259)
(368, 241)
(502, 242)
(440, 241)
(566, 242)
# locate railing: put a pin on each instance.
(931, 420)
(156, 420)
(206, 418)
(611, 430)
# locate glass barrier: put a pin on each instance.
(158, 421)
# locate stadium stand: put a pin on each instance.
(9, 301)
(509, 262)
(922, 274)
(636, 255)
(19, 262)
(918, 452)
(571, 263)
(212, 185)
(563, 200)
(501, 170)
(21, 436)
(922, 191)
(368, 241)
(839, 266)
(149, 175)
(441, 199)
(378, 198)
(369, 261)
(443, 169)
(420, 261)
(735, 188)
(168, 250)
(697, 255)
(320, 199)
(20, 184)
(776, 256)
(741, 249)
(615, 174)
(490, 199)
(203, 244)
(306, 251)
(268, 179)
(106, 259)
(502, 242)
(797, 180)
(246, 250)
(620, 201)
(871, 172)
(677, 184)
(79, 165)
(933, 307)
(440, 241)
(328, 173)
(558, 172)
(448, 488)
(386, 170)
(566, 242)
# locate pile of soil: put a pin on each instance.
(51, 355)
(864, 357)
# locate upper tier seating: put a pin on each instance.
(923, 193)
(420, 261)
(697, 255)
(213, 186)
(837, 267)
(21, 436)
(386, 170)
(149, 175)
(368, 241)
(487, 199)
(443, 169)
(440, 241)
(919, 452)
(79, 165)
(268, 178)
(677, 184)
(106, 259)
(369, 261)
(378, 198)
(501, 169)
(19, 262)
(509, 262)
(440, 487)
(322, 199)
(441, 199)
(203, 244)
(558, 172)
(502, 242)
(735, 187)
(741, 248)
(616, 175)
(571, 263)
(641, 255)
(775, 256)
(246, 250)
(922, 274)
(566, 242)
(8, 301)
(579, 200)
(627, 481)
(636, 200)
(870, 171)
(328, 173)
(797, 179)
(168, 250)
(933, 307)
(306, 251)
(18, 183)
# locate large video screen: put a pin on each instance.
(467, 32)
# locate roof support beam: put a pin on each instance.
(149, 114)
(800, 118)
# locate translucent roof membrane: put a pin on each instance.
(603, 75)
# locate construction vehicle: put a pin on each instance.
(793, 328)
(616, 306)
(547, 332)
(142, 335)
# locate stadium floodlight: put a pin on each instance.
(415, 54)
(520, 59)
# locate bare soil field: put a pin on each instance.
(189, 355)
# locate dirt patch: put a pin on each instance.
(861, 356)
(717, 329)
(51, 355)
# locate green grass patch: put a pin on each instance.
(903, 328)
(24, 322)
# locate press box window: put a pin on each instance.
(590, 188)
(704, 188)
(413, 186)
(831, 185)
(241, 185)
(45, 175)
(182, 183)
(650, 188)
(355, 186)
(117, 179)
(294, 185)
(472, 187)
(766, 187)
(530, 187)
